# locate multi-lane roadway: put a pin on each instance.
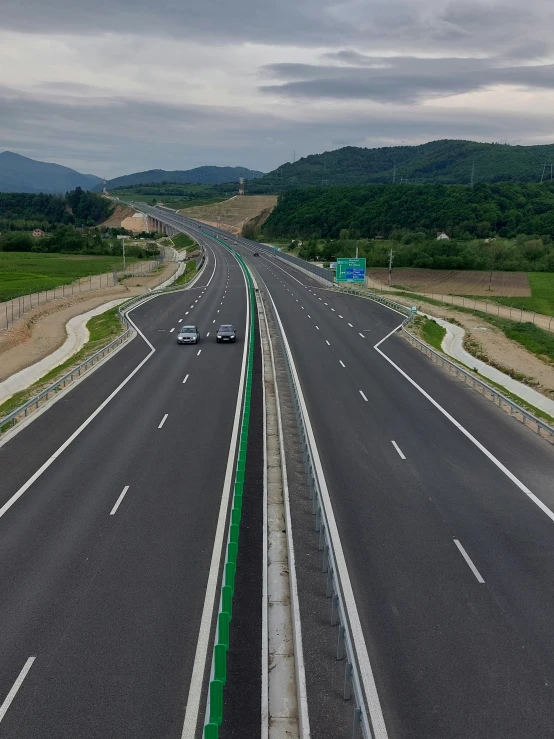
(443, 505)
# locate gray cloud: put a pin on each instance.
(401, 79)
(110, 137)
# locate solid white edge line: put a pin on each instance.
(163, 420)
(265, 616)
(366, 671)
(186, 378)
(401, 454)
(15, 687)
(118, 501)
(301, 688)
(197, 677)
(363, 396)
(15, 497)
(466, 433)
(469, 562)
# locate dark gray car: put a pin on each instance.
(188, 335)
(226, 333)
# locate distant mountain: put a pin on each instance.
(438, 162)
(196, 176)
(21, 174)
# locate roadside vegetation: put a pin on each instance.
(103, 329)
(431, 332)
(25, 211)
(22, 272)
(542, 295)
(183, 241)
(173, 195)
(188, 274)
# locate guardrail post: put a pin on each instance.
(334, 609)
(347, 681)
(357, 723)
(329, 588)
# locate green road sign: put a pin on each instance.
(350, 270)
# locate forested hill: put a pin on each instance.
(196, 176)
(484, 210)
(438, 162)
(25, 211)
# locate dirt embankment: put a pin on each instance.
(120, 213)
(232, 214)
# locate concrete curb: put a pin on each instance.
(452, 345)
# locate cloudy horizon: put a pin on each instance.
(115, 87)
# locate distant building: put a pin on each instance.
(441, 236)
(38, 232)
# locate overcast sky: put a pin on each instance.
(113, 86)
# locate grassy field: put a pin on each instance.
(182, 241)
(542, 295)
(188, 274)
(432, 333)
(25, 272)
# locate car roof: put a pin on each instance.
(187, 328)
(226, 326)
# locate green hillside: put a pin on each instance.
(506, 209)
(438, 162)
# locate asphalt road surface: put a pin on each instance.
(106, 554)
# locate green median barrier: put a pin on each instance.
(216, 702)
(239, 477)
(234, 534)
(223, 629)
(237, 503)
(211, 731)
(220, 663)
(239, 487)
(236, 516)
(227, 601)
(232, 552)
(241, 464)
(230, 569)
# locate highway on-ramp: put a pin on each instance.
(109, 510)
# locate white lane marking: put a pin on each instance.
(342, 363)
(328, 344)
(218, 310)
(366, 671)
(395, 445)
(171, 330)
(510, 475)
(180, 320)
(319, 298)
(297, 300)
(309, 316)
(198, 352)
(360, 334)
(351, 326)
(221, 303)
(192, 306)
(467, 558)
(363, 396)
(203, 641)
(214, 318)
(186, 313)
(340, 315)
(118, 501)
(207, 334)
(325, 303)
(15, 687)
(15, 497)
(186, 378)
(163, 420)
(317, 328)
(302, 307)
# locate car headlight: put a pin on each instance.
(219, 336)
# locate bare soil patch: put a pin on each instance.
(118, 216)
(456, 282)
(233, 212)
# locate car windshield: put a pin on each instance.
(188, 330)
(226, 328)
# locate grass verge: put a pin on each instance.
(102, 328)
(183, 241)
(431, 332)
(188, 274)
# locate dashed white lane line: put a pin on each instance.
(186, 313)
(363, 396)
(15, 687)
(319, 298)
(470, 564)
(186, 378)
(334, 311)
(340, 315)
(342, 364)
(360, 334)
(118, 501)
(163, 420)
(395, 445)
(198, 352)
(213, 321)
(207, 334)
(302, 307)
(351, 326)
(180, 320)
(328, 344)
(325, 303)
(218, 310)
(317, 328)
(309, 316)
(171, 330)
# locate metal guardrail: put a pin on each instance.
(34, 402)
(361, 721)
(378, 299)
(515, 410)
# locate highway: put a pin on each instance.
(443, 504)
(108, 542)
(444, 507)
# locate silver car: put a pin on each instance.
(188, 335)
